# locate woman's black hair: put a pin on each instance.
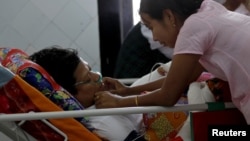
(155, 8)
(60, 63)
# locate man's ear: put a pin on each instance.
(169, 17)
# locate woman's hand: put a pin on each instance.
(115, 86)
(105, 99)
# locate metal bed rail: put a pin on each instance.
(113, 111)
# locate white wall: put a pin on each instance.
(34, 24)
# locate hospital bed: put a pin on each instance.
(52, 118)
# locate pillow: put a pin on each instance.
(17, 96)
(152, 76)
(16, 60)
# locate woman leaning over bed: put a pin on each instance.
(205, 37)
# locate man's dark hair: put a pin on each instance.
(60, 63)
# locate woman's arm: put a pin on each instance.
(151, 86)
(116, 87)
(185, 69)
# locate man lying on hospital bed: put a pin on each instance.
(83, 83)
(75, 75)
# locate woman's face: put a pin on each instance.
(164, 31)
(87, 84)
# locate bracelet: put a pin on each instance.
(136, 101)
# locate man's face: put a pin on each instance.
(87, 84)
